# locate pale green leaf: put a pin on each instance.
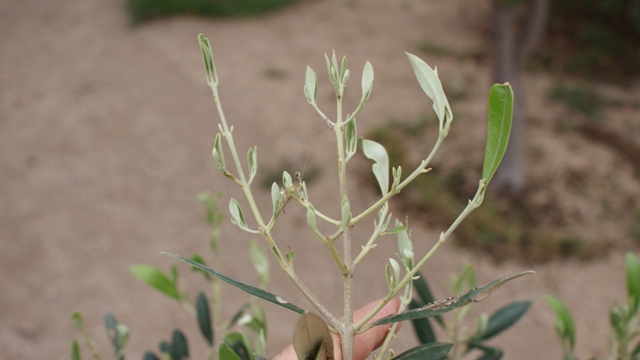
(431, 85)
(252, 160)
(367, 81)
(310, 334)
(207, 55)
(378, 154)
(310, 86)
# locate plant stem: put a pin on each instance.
(473, 204)
(347, 331)
(246, 188)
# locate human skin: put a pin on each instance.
(364, 343)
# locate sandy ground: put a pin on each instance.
(105, 139)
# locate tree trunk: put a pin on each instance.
(511, 54)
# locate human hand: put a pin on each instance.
(364, 343)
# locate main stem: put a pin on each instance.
(347, 331)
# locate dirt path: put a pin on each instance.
(105, 136)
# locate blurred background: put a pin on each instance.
(107, 125)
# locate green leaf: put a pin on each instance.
(237, 216)
(75, 350)
(156, 279)
(489, 353)
(225, 353)
(440, 307)
(276, 201)
(237, 316)
(260, 262)
(207, 55)
(252, 160)
(242, 286)
(633, 281)
(204, 318)
(378, 154)
(78, 321)
(563, 322)
(405, 247)
(345, 213)
(197, 258)
(311, 86)
(240, 344)
(312, 336)
(351, 137)
(431, 85)
(367, 81)
(636, 350)
(422, 288)
(180, 345)
(422, 327)
(432, 351)
(218, 154)
(499, 128)
(504, 318)
(150, 356)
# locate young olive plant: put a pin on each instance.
(241, 336)
(464, 339)
(400, 273)
(624, 320)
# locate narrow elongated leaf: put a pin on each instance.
(431, 85)
(499, 128)
(378, 154)
(75, 350)
(351, 137)
(433, 351)
(312, 336)
(225, 353)
(207, 55)
(242, 286)
(156, 279)
(563, 322)
(252, 160)
(422, 327)
(440, 307)
(633, 281)
(405, 247)
(276, 200)
(422, 288)
(204, 318)
(218, 154)
(237, 216)
(504, 318)
(310, 85)
(367, 81)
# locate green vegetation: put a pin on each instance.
(142, 10)
(594, 39)
(312, 338)
(624, 320)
